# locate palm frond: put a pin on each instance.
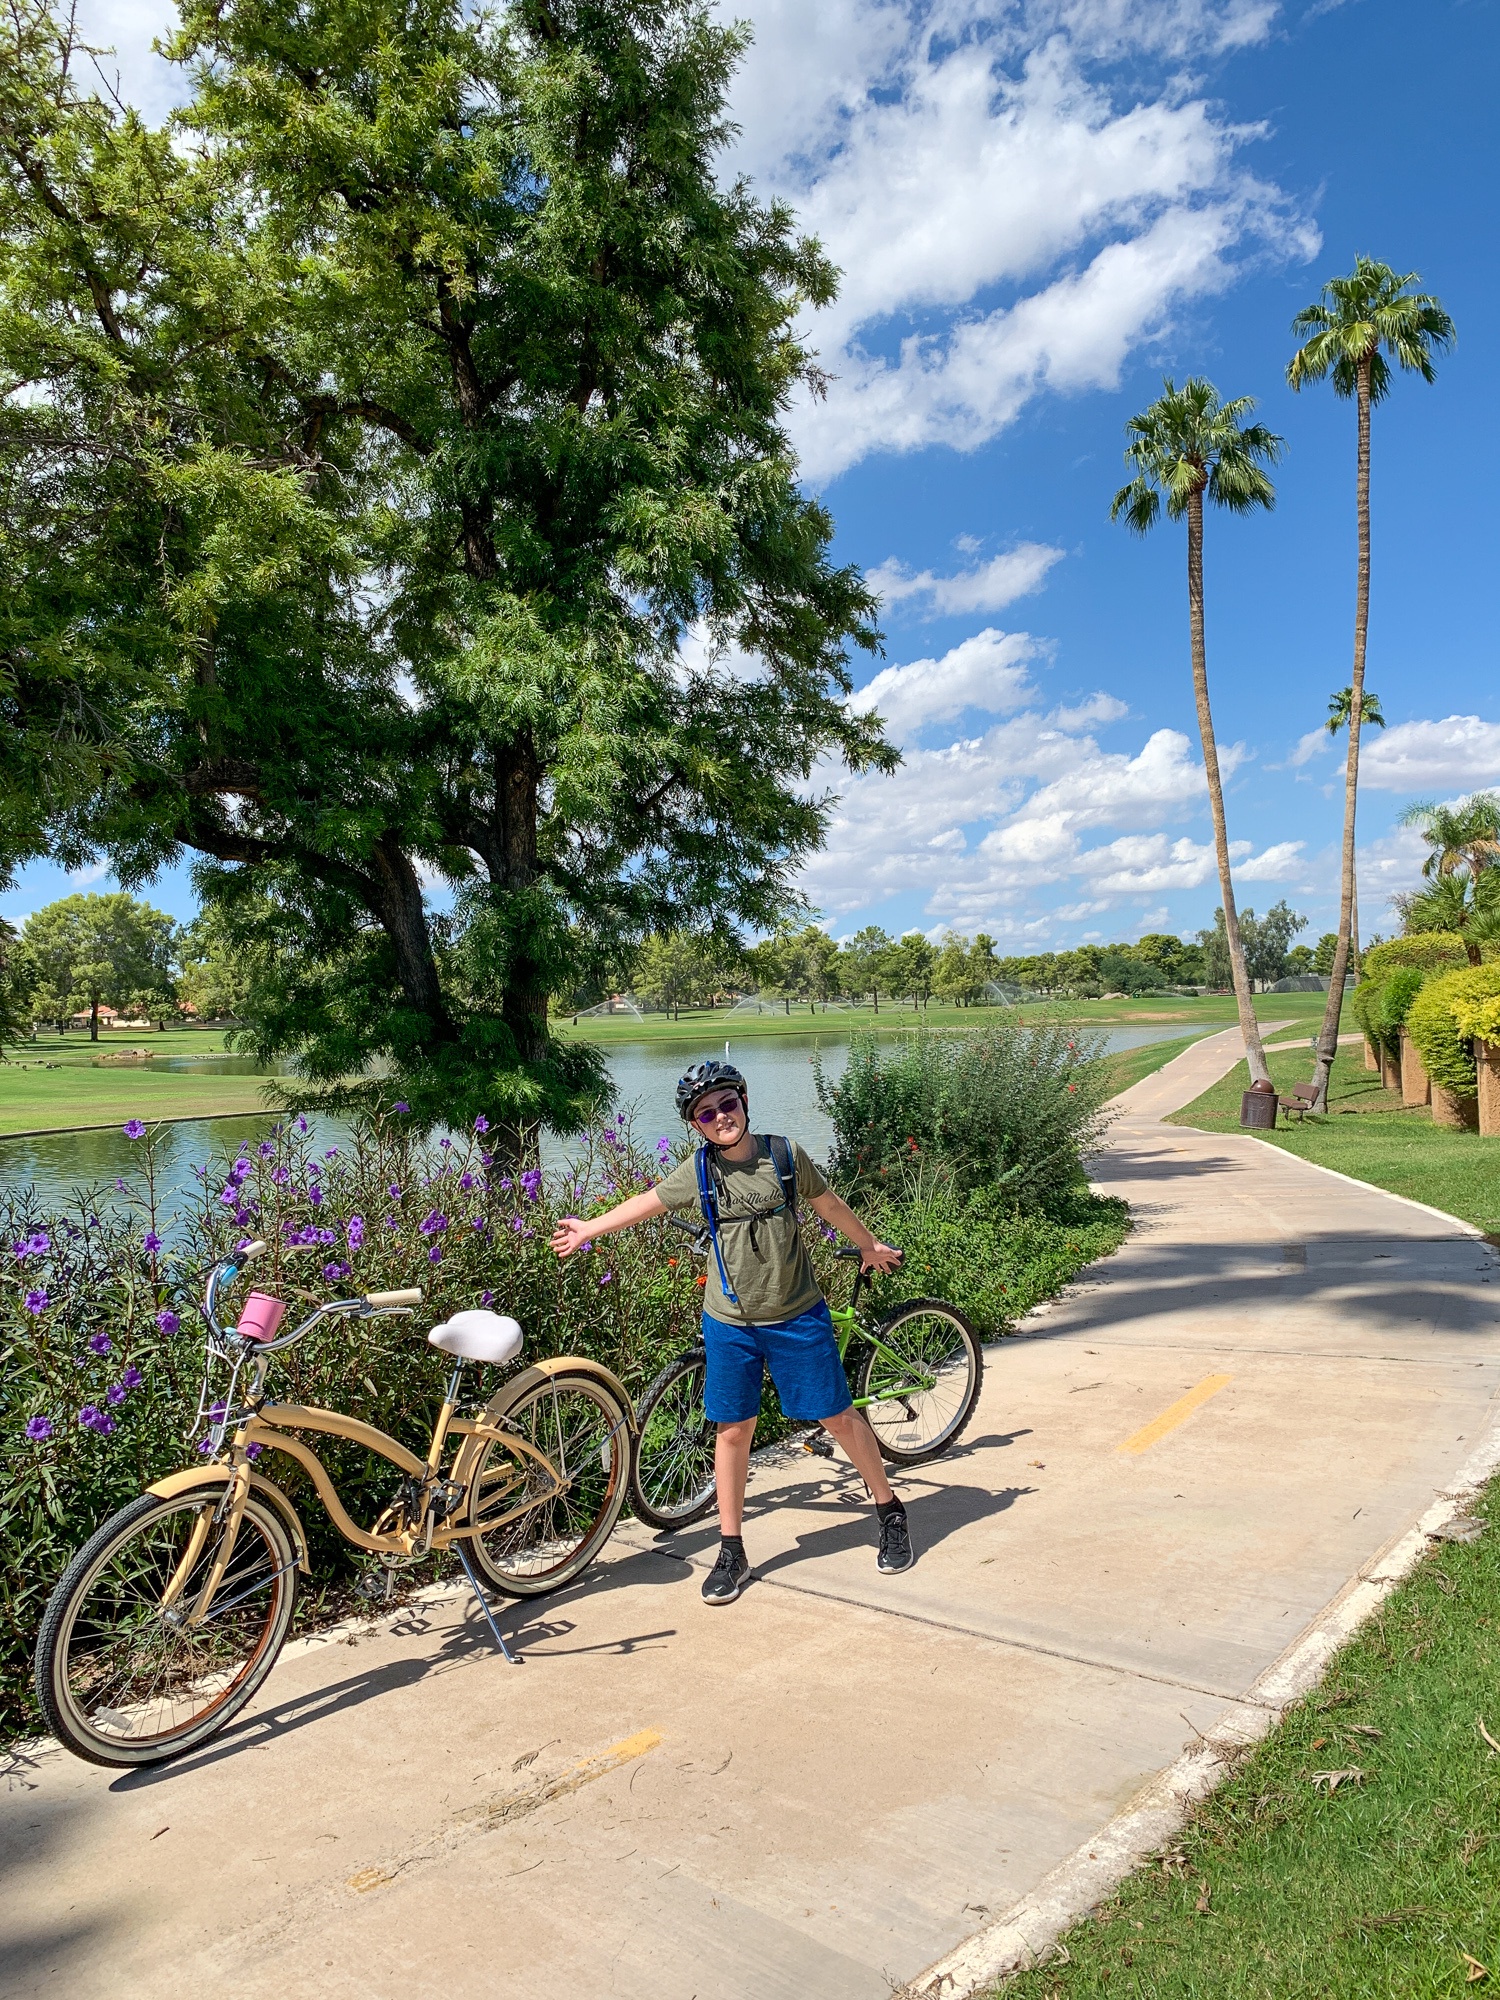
(1360, 320)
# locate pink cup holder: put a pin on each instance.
(260, 1316)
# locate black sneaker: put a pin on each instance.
(895, 1544)
(727, 1578)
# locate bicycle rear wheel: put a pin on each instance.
(672, 1472)
(122, 1675)
(580, 1428)
(922, 1380)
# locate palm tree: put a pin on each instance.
(1463, 836)
(1468, 903)
(1358, 322)
(1340, 709)
(1187, 444)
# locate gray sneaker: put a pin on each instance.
(896, 1551)
(727, 1578)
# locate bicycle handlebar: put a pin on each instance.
(382, 1301)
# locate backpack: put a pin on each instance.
(708, 1195)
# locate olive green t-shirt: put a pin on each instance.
(762, 1247)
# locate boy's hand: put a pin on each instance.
(880, 1257)
(570, 1235)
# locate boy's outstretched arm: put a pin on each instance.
(570, 1234)
(873, 1254)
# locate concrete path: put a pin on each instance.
(816, 1793)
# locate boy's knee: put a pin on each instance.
(738, 1431)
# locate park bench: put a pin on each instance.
(1301, 1100)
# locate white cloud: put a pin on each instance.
(1460, 753)
(1316, 743)
(990, 586)
(87, 876)
(954, 150)
(1277, 864)
(987, 672)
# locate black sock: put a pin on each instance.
(736, 1543)
(885, 1508)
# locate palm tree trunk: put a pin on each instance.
(1328, 1034)
(1254, 1053)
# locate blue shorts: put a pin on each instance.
(803, 1358)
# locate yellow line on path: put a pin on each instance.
(1179, 1413)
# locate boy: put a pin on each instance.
(761, 1304)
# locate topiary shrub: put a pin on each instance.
(1382, 1005)
(1437, 1021)
(1428, 951)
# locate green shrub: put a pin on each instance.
(1428, 951)
(1435, 1025)
(1016, 1108)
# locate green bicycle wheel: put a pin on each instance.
(672, 1472)
(920, 1380)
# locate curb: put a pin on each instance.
(1021, 1937)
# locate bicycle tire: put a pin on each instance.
(114, 1569)
(672, 1481)
(554, 1542)
(897, 1439)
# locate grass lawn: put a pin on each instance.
(1369, 1135)
(57, 1083)
(1202, 1014)
(1385, 1886)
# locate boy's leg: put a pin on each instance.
(854, 1434)
(732, 1470)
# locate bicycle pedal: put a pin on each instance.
(819, 1445)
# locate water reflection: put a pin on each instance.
(782, 1099)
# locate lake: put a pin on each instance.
(782, 1099)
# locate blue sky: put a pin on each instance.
(1040, 208)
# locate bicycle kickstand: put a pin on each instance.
(484, 1605)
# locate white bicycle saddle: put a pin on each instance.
(479, 1336)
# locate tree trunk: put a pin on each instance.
(1249, 1028)
(1328, 1035)
(93, 1017)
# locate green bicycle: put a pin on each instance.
(917, 1380)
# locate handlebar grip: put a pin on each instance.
(251, 1251)
(411, 1297)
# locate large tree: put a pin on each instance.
(1188, 446)
(87, 952)
(422, 392)
(1359, 326)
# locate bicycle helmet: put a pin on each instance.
(704, 1076)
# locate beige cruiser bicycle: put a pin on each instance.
(171, 1616)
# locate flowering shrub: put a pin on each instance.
(103, 1344)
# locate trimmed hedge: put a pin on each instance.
(1381, 1005)
(1427, 951)
(1435, 1024)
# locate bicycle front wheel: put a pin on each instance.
(920, 1380)
(578, 1425)
(672, 1473)
(131, 1667)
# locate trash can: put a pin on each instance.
(1258, 1108)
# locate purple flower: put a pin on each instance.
(393, 1222)
(335, 1270)
(133, 1129)
(332, 1153)
(280, 1176)
(485, 1299)
(239, 1170)
(481, 1123)
(36, 1302)
(115, 1394)
(394, 1190)
(531, 1184)
(230, 1198)
(505, 1186)
(38, 1429)
(466, 1181)
(315, 1196)
(607, 1278)
(39, 1244)
(94, 1419)
(301, 1124)
(265, 1149)
(432, 1224)
(242, 1216)
(167, 1320)
(435, 1254)
(119, 1183)
(132, 1378)
(101, 1344)
(151, 1243)
(205, 1446)
(663, 1149)
(356, 1231)
(323, 1236)
(516, 1224)
(401, 1105)
(446, 1144)
(253, 1451)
